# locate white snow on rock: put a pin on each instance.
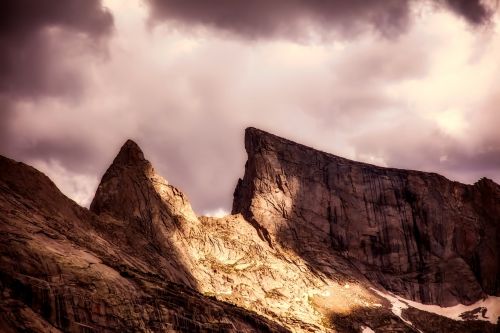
(491, 304)
(397, 305)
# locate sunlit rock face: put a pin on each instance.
(66, 269)
(417, 234)
(130, 191)
(140, 260)
(221, 257)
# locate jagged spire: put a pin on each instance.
(130, 153)
(131, 190)
(129, 168)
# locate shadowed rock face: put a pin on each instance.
(65, 269)
(130, 191)
(417, 234)
(140, 260)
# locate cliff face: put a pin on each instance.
(417, 234)
(65, 269)
(130, 191)
(140, 260)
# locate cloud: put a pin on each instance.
(414, 142)
(47, 48)
(219, 212)
(79, 187)
(303, 19)
(474, 11)
(30, 39)
(425, 100)
(291, 19)
(450, 125)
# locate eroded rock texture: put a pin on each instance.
(417, 234)
(140, 260)
(65, 269)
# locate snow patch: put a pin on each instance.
(490, 303)
(397, 306)
(487, 309)
(366, 330)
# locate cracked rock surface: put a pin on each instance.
(299, 253)
(66, 269)
(414, 233)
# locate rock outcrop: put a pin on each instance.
(414, 233)
(221, 257)
(140, 260)
(65, 269)
(131, 192)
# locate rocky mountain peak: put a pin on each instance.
(129, 153)
(318, 243)
(131, 191)
(129, 167)
(417, 234)
(130, 187)
(254, 138)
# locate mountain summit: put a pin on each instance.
(316, 243)
(417, 234)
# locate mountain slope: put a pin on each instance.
(65, 269)
(414, 233)
(141, 260)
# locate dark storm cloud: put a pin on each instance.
(186, 98)
(474, 11)
(40, 42)
(289, 18)
(296, 18)
(28, 66)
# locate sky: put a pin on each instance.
(400, 83)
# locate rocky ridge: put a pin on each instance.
(65, 269)
(141, 260)
(414, 233)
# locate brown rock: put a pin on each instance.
(141, 260)
(417, 234)
(130, 191)
(64, 269)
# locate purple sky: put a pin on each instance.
(401, 83)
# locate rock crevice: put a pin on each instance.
(417, 234)
(318, 245)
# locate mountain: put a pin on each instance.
(417, 234)
(66, 269)
(316, 243)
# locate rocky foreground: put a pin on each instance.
(316, 243)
